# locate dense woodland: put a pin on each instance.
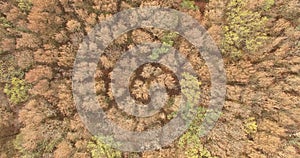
(259, 41)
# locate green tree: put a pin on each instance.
(244, 30)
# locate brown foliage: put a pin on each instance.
(44, 17)
(41, 87)
(64, 149)
(65, 104)
(73, 25)
(40, 72)
(39, 131)
(27, 41)
(6, 123)
(24, 59)
(8, 44)
(66, 55)
(45, 56)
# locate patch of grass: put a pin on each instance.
(250, 126)
(44, 146)
(188, 4)
(50, 146)
(244, 30)
(98, 148)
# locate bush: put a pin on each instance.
(244, 30)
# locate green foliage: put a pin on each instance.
(45, 146)
(250, 126)
(15, 87)
(24, 5)
(49, 145)
(98, 149)
(167, 42)
(295, 139)
(190, 141)
(8, 69)
(24, 153)
(190, 87)
(188, 4)
(172, 115)
(5, 23)
(168, 39)
(244, 30)
(159, 51)
(16, 90)
(267, 5)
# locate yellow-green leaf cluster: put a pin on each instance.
(98, 148)
(250, 126)
(24, 5)
(188, 4)
(268, 4)
(244, 30)
(190, 141)
(17, 90)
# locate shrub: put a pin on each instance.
(244, 30)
